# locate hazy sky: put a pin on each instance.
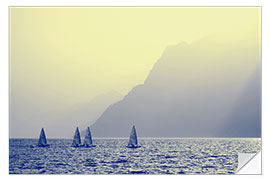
(60, 57)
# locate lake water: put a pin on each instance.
(111, 156)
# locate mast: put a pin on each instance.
(77, 138)
(133, 142)
(88, 138)
(42, 139)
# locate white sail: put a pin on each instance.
(42, 139)
(77, 138)
(88, 138)
(133, 142)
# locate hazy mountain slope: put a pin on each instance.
(82, 115)
(62, 123)
(246, 111)
(192, 91)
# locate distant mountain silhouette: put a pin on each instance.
(83, 114)
(194, 90)
(61, 123)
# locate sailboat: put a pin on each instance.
(88, 139)
(133, 141)
(77, 139)
(42, 142)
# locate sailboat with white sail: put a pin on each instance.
(77, 139)
(42, 142)
(88, 142)
(133, 141)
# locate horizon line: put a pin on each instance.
(150, 138)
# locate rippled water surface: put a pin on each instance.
(111, 156)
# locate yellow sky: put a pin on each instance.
(67, 55)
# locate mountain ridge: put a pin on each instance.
(188, 93)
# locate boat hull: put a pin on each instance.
(89, 146)
(77, 146)
(44, 145)
(133, 147)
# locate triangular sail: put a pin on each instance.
(88, 138)
(77, 138)
(42, 138)
(133, 138)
